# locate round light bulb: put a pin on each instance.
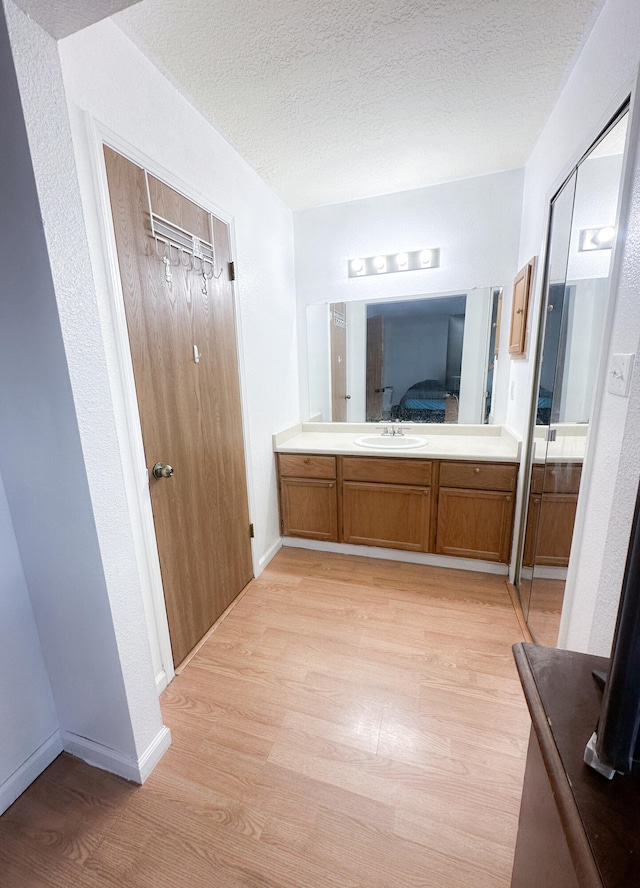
(402, 260)
(357, 265)
(425, 257)
(380, 263)
(605, 235)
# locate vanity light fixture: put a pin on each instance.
(414, 261)
(597, 238)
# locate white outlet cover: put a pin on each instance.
(620, 374)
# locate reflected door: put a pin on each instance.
(583, 218)
(338, 336)
(375, 368)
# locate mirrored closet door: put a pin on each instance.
(581, 238)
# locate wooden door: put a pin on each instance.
(338, 335)
(183, 349)
(375, 368)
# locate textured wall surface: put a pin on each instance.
(64, 17)
(70, 515)
(345, 99)
(26, 702)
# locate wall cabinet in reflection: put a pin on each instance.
(520, 309)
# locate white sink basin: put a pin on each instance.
(390, 442)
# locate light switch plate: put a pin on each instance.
(620, 374)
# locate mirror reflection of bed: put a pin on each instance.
(422, 359)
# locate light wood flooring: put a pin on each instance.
(352, 723)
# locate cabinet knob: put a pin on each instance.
(306, 460)
(477, 470)
(508, 499)
(553, 472)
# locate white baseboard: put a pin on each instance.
(154, 752)
(549, 573)
(161, 681)
(16, 784)
(268, 555)
(107, 759)
(492, 567)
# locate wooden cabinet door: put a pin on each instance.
(553, 516)
(519, 309)
(475, 523)
(390, 515)
(309, 508)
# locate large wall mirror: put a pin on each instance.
(581, 237)
(424, 359)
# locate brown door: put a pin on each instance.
(183, 347)
(375, 368)
(338, 362)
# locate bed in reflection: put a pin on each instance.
(424, 401)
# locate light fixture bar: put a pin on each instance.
(393, 262)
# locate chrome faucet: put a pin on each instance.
(392, 429)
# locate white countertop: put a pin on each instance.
(442, 441)
(569, 446)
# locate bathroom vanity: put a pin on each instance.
(445, 490)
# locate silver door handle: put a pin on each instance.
(160, 470)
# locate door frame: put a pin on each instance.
(123, 384)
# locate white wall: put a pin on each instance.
(475, 356)
(475, 222)
(318, 332)
(30, 730)
(596, 85)
(415, 348)
(108, 77)
(94, 644)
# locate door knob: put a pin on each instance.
(162, 471)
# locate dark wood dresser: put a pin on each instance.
(577, 829)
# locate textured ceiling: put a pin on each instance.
(331, 100)
(63, 17)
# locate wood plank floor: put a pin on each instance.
(352, 723)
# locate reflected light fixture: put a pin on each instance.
(597, 238)
(393, 262)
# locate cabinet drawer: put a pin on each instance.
(556, 478)
(306, 465)
(479, 476)
(387, 470)
(562, 478)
